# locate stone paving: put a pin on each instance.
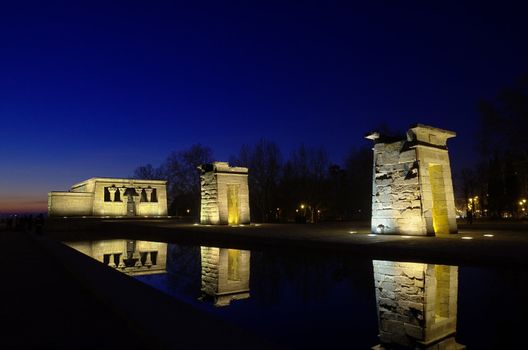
(42, 306)
(479, 244)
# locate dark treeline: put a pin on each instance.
(498, 185)
(305, 187)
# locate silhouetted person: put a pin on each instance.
(30, 223)
(39, 223)
(469, 216)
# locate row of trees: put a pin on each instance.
(304, 187)
(499, 182)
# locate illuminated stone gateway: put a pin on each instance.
(225, 274)
(224, 194)
(111, 197)
(412, 190)
(417, 305)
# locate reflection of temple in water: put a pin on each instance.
(225, 274)
(130, 257)
(417, 305)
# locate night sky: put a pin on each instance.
(98, 88)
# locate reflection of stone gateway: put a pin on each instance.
(412, 191)
(114, 197)
(225, 274)
(417, 305)
(131, 257)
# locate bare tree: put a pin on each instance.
(504, 147)
(183, 178)
(304, 184)
(148, 172)
(358, 166)
(264, 161)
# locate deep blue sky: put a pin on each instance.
(98, 88)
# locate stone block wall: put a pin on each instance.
(119, 208)
(396, 198)
(216, 180)
(210, 258)
(70, 204)
(240, 181)
(416, 304)
(209, 213)
(88, 198)
(435, 162)
(225, 274)
(412, 190)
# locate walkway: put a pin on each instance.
(473, 245)
(43, 307)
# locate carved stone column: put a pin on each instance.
(148, 261)
(112, 191)
(111, 262)
(148, 191)
(121, 262)
(139, 190)
(122, 191)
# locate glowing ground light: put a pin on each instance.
(372, 235)
(405, 236)
(467, 237)
(352, 232)
(195, 224)
(488, 235)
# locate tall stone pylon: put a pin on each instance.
(412, 190)
(224, 194)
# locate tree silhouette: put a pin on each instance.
(502, 145)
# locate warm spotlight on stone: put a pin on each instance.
(224, 194)
(412, 186)
(111, 197)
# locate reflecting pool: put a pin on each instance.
(313, 301)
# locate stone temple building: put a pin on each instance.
(417, 305)
(224, 194)
(225, 274)
(412, 190)
(128, 256)
(111, 197)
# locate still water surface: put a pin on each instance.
(312, 301)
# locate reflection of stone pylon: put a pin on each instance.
(417, 305)
(225, 274)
